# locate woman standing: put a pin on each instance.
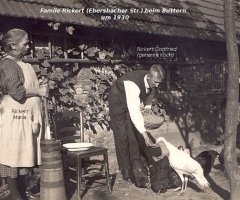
(20, 114)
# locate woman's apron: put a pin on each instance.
(19, 147)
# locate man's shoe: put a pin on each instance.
(125, 175)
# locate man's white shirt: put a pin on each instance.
(133, 103)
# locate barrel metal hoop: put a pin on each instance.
(53, 158)
(51, 170)
(51, 184)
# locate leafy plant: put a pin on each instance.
(97, 109)
(95, 105)
(62, 80)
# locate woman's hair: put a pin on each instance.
(13, 36)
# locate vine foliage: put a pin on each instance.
(63, 81)
(92, 99)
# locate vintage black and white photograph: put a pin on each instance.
(119, 100)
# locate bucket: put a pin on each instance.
(52, 180)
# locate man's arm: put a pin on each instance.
(133, 103)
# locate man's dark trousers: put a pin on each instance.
(125, 140)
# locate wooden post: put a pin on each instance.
(50, 46)
(31, 46)
(168, 78)
(47, 126)
(81, 126)
(65, 48)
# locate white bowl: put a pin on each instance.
(77, 145)
(79, 149)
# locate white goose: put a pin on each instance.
(183, 164)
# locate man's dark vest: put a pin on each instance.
(135, 76)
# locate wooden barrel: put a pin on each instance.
(53, 162)
(52, 184)
(52, 181)
(49, 148)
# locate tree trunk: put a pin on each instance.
(231, 120)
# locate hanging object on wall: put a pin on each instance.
(70, 30)
(54, 25)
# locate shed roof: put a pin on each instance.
(203, 19)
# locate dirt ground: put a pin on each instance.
(126, 190)
(97, 189)
(219, 189)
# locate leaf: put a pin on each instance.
(59, 70)
(59, 78)
(70, 30)
(105, 112)
(36, 68)
(98, 81)
(46, 63)
(108, 53)
(63, 91)
(102, 87)
(40, 55)
(59, 51)
(55, 26)
(108, 68)
(75, 53)
(82, 46)
(64, 99)
(66, 73)
(103, 77)
(70, 50)
(45, 50)
(51, 84)
(88, 110)
(106, 122)
(78, 108)
(80, 104)
(64, 84)
(44, 71)
(51, 76)
(87, 117)
(91, 52)
(50, 23)
(75, 68)
(102, 55)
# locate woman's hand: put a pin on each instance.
(43, 90)
(35, 128)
